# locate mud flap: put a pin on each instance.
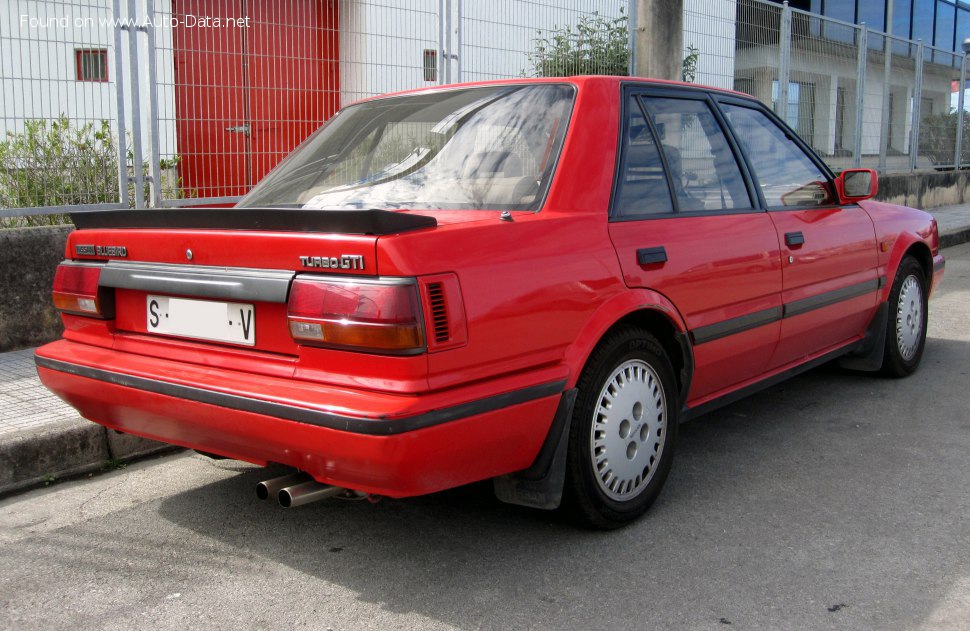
(540, 486)
(868, 357)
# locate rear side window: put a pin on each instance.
(642, 187)
(785, 173)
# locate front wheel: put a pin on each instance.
(908, 312)
(624, 430)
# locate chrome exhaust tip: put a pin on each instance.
(269, 488)
(307, 492)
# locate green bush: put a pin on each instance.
(596, 45)
(51, 163)
(937, 136)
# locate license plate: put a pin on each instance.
(230, 322)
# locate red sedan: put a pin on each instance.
(532, 281)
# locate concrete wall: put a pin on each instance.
(930, 189)
(28, 258)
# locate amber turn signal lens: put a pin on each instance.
(76, 290)
(368, 315)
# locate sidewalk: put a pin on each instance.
(43, 439)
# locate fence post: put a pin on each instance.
(860, 91)
(120, 95)
(137, 158)
(884, 140)
(631, 25)
(958, 151)
(917, 105)
(458, 44)
(442, 55)
(154, 137)
(784, 61)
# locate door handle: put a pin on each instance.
(794, 239)
(649, 256)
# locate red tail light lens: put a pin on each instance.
(379, 316)
(76, 291)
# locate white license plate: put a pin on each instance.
(230, 322)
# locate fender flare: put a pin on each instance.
(612, 311)
(903, 244)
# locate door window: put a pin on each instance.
(785, 173)
(703, 170)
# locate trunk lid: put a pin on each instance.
(220, 277)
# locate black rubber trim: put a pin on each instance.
(716, 331)
(939, 265)
(370, 221)
(725, 328)
(737, 395)
(353, 424)
(830, 297)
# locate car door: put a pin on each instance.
(684, 223)
(829, 259)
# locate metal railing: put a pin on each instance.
(109, 104)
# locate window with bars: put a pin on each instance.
(430, 64)
(91, 64)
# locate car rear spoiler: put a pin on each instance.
(368, 221)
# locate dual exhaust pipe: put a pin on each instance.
(297, 489)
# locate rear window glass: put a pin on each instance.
(473, 148)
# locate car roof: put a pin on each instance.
(578, 80)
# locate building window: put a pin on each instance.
(902, 18)
(430, 64)
(91, 64)
(946, 24)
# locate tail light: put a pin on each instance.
(380, 316)
(76, 291)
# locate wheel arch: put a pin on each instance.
(648, 310)
(908, 245)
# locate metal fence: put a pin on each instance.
(159, 103)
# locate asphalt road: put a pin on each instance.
(835, 500)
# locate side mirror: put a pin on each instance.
(855, 185)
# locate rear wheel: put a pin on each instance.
(908, 312)
(624, 430)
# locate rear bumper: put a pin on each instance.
(395, 445)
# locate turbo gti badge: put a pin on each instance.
(344, 261)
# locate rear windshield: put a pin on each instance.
(472, 148)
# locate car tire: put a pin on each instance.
(908, 311)
(624, 430)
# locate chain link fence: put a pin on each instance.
(59, 91)
(159, 103)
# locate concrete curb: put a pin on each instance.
(954, 237)
(68, 448)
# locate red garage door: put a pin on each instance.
(247, 94)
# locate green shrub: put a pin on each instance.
(937, 136)
(51, 163)
(596, 45)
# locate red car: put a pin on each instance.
(532, 281)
